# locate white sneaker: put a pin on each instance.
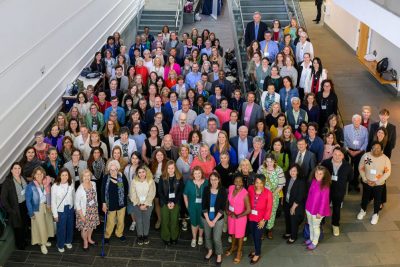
(335, 230)
(361, 215)
(132, 227)
(375, 219)
(61, 250)
(200, 242)
(43, 249)
(230, 239)
(245, 239)
(69, 246)
(193, 244)
(197, 17)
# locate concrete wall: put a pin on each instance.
(45, 45)
(342, 22)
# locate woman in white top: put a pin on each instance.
(62, 207)
(82, 104)
(87, 215)
(157, 67)
(142, 193)
(130, 172)
(314, 78)
(147, 60)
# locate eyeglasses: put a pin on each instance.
(113, 170)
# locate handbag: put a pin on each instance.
(306, 232)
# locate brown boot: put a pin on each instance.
(233, 247)
(238, 257)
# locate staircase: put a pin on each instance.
(243, 11)
(156, 19)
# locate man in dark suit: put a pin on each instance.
(304, 158)
(254, 111)
(233, 124)
(224, 84)
(318, 3)
(114, 91)
(342, 173)
(157, 108)
(255, 29)
(242, 143)
(391, 132)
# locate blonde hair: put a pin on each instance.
(209, 154)
(245, 161)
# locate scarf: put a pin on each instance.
(53, 141)
(268, 101)
(98, 168)
(121, 190)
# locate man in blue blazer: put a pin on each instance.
(242, 143)
(157, 108)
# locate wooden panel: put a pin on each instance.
(362, 40)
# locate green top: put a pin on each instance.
(193, 192)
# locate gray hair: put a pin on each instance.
(295, 98)
(259, 139)
(114, 163)
(356, 116)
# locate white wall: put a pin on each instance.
(384, 48)
(59, 37)
(342, 22)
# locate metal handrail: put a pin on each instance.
(237, 2)
(293, 9)
(178, 13)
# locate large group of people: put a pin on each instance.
(167, 136)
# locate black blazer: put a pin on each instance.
(226, 88)
(220, 202)
(163, 189)
(297, 194)
(345, 174)
(249, 33)
(308, 164)
(391, 140)
(149, 116)
(107, 142)
(225, 127)
(119, 94)
(9, 200)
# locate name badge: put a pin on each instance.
(231, 209)
(94, 127)
(23, 192)
(323, 107)
(91, 203)
(334, 178)
(184, 142)
(254, 212)
(372, 171)
(142, 199)
(261, 81)
(171, 195)
(198, 200)
(158, 147)
(356, 142)
(212, 209)
(266, 54)
(296, 126)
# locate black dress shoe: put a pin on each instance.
(252, 262)
(314, 20)
(251, 255)
(85, 249)
(93, 244)
(317, 22)
(218, 263)
(285, 236)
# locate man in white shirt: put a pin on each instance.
(210, 135)
(191, 115)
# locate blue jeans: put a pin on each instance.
(65, 227)
(256, 234)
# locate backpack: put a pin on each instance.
(382, 65)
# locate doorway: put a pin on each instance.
(363, 39)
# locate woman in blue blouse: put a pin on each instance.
(222, 145)
(310, 105)
(287, 92)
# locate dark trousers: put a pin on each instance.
(375, 192)
(301, 93)
(21, 234)
(355, 161)
(256, 233)
(65, 227)
(319, 5)
(292, 222)
(336, 200)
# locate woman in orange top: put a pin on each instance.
(204, 160)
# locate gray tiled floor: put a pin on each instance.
(360, 243)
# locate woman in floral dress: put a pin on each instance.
(274, 181)
(86, 207)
